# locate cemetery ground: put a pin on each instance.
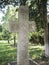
(8, 53)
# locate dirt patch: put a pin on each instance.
(43, 61)
(34, 62)
(30, 63)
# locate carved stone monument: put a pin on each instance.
(22, 53)
(23, 26)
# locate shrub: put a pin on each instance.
(37, 37)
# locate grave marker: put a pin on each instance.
(23, 26)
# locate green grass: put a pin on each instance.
(36, 51)
(9, 53)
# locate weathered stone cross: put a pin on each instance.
(23, 27)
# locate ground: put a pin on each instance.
(9, 53)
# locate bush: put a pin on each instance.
(37, 37)
(41, 36)
(5, 35)
(34, 37)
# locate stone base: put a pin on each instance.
(31, 62)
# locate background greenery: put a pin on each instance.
(8, 53)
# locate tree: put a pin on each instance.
(4, 3)
(23, 2)
(6, 35)
(11, 15)
(41, 10)
(46, 36)
(35, 13)
(43, 13)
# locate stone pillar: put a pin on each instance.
(22, 49)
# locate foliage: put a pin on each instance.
(37, 37)
(34, 37)
(6, 35)
(36, 12)
(42, 56)
(11, 14)
(3, 3)
(23, 2)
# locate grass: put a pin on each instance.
(9, 53)
(36, 51)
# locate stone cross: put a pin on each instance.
(23, 27)
(14, 24)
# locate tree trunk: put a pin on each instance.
(44, 15)
(46, 42)
(8, 41)
(14, 40)
(22, 53)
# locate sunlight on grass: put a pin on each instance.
(9, 53)
(35, 51)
